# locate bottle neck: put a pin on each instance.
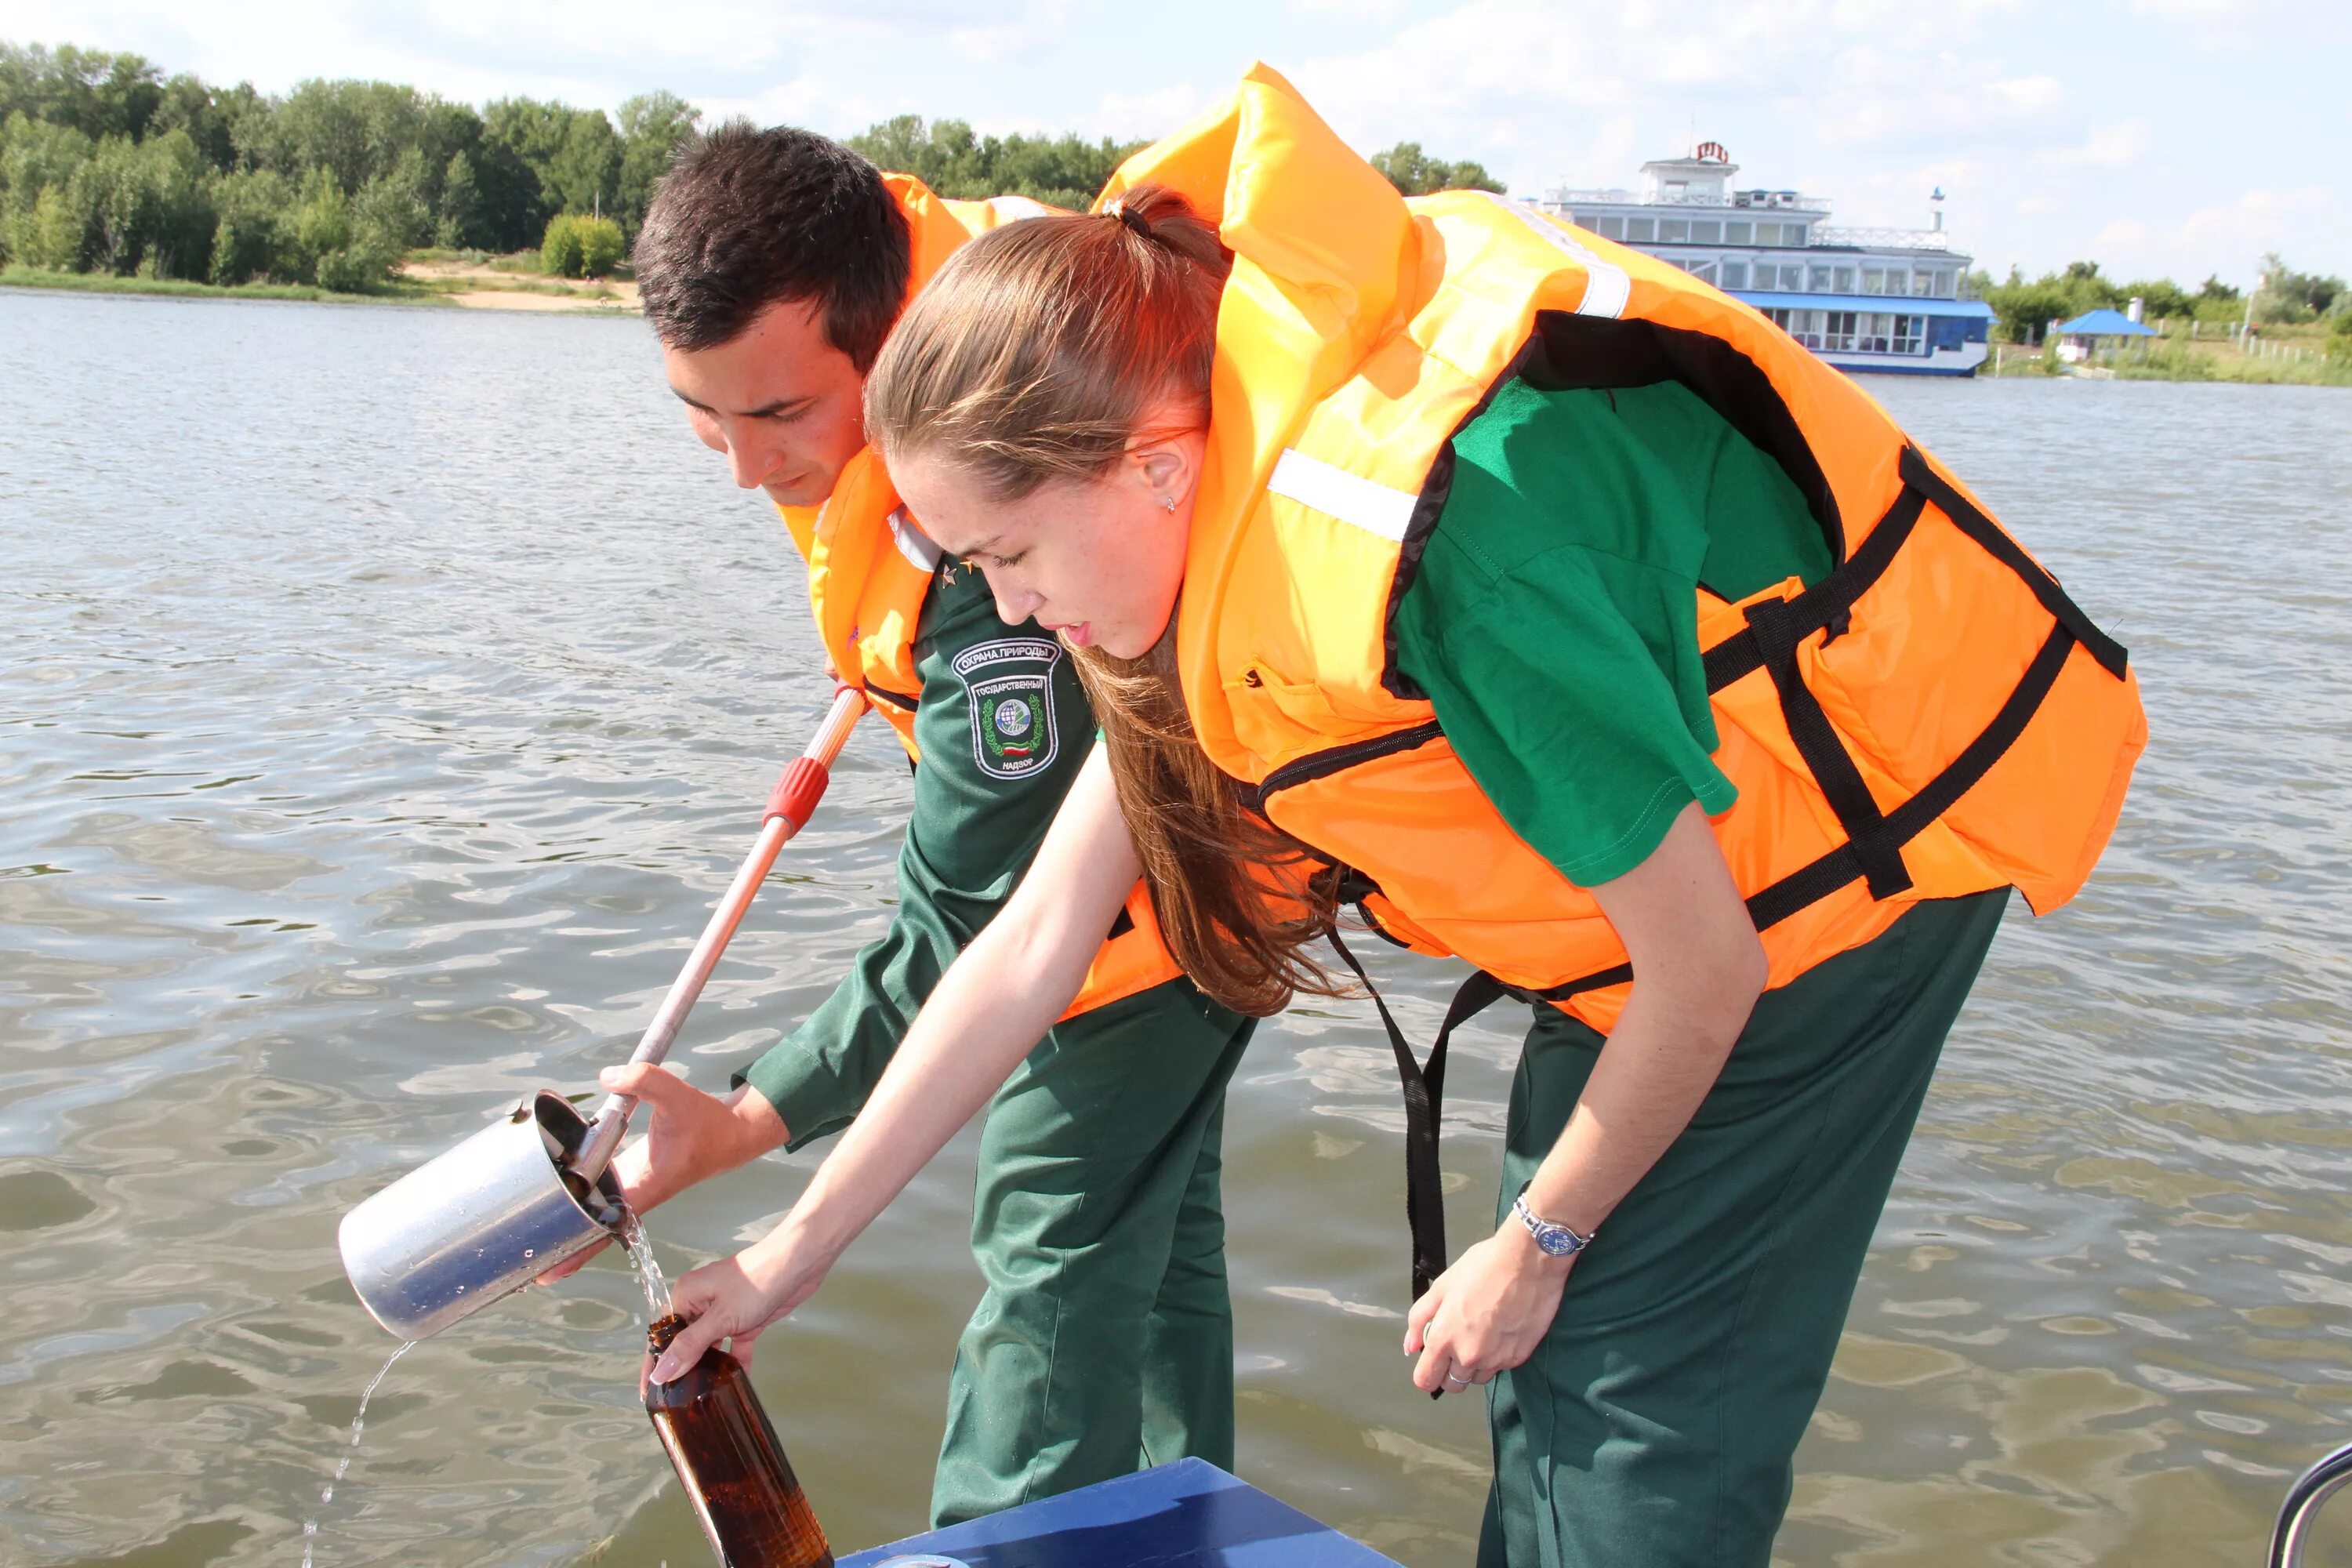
(664, 1329)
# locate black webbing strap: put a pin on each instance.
(1921, 476)
(1818, 879)
(1827, 601)
(1424, 1106)
(1878, 854)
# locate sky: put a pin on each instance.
(2160, 137)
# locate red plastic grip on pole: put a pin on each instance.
(797, 792)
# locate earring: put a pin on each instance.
(1168, 503)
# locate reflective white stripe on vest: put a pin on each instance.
(1018, 208)
(1606, 287)
(1365, 503)
(912, 541)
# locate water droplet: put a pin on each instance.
(530, 1252)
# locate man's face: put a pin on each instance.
(778, 399)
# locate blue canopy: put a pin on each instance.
(2104, 324)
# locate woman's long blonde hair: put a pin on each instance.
(1038, 352)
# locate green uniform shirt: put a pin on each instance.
(1554, 619)
(1003, 726)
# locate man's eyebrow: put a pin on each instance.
(763, 411)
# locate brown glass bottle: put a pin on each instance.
(728, 1458)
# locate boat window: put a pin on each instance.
(1738, 231)
(1845, 280)
(1706, 231)
(1610, 227)
(1792, 234)
(1943, 284)
(1922, 284)
(1837, 330)
(1768, 234)
(1639, 228)
(1820, 283)
(1735, 274)
(1873, 280)
(1702, 270)
(1909, 335)
(1674, 230)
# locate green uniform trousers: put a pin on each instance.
(1104, 1341)
(1654, 1427)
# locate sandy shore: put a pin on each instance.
(487, 289)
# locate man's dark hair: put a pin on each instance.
(746, 218)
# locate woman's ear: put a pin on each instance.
(1168, 466)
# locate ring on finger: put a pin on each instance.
(1459, 1382)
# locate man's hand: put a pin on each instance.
(693, 1136)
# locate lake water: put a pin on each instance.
(386, 694)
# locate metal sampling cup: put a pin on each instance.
(482, 1221)
(530, 1190)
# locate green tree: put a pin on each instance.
(90, 90)
(2287, 295)
(253, 236)
(2025, 309)
(2213, 291)
(322, 226)
(653, 126)
(2161, 299)
(602, 245)
(459, 221)
(585, 170)
(1415, 174)
(561, 253)
(54, 233)
(947, 156)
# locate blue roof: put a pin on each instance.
(1898, 304)
(2105, 323)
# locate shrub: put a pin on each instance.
(602, 245)
(561, 253)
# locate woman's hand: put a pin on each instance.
(737, 1298)
(994, 1004)
(1487, 1314)
(691, 1138)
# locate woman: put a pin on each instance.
(1561, 614)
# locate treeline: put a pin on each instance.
(106, 165)
(950, 158)
(2026, 307)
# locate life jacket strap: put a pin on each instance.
(1424, 1084)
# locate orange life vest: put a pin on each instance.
(1934, 718)
(870, 567)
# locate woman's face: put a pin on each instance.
(1099, 561)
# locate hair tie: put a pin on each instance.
(1116, 207)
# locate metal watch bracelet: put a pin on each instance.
(1552, 1239)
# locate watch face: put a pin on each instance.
(1555, 1241)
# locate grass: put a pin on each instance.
(2297, 356)
(22, 277)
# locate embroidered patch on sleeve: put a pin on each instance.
(1009, 684)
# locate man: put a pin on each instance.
(772, 264)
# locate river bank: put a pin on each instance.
(2280, 357)
(424, 278)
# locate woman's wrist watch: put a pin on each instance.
(1553, 1241)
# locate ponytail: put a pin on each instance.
(1038, 352)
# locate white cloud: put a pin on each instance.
(2107, 147)
(1125, 115)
